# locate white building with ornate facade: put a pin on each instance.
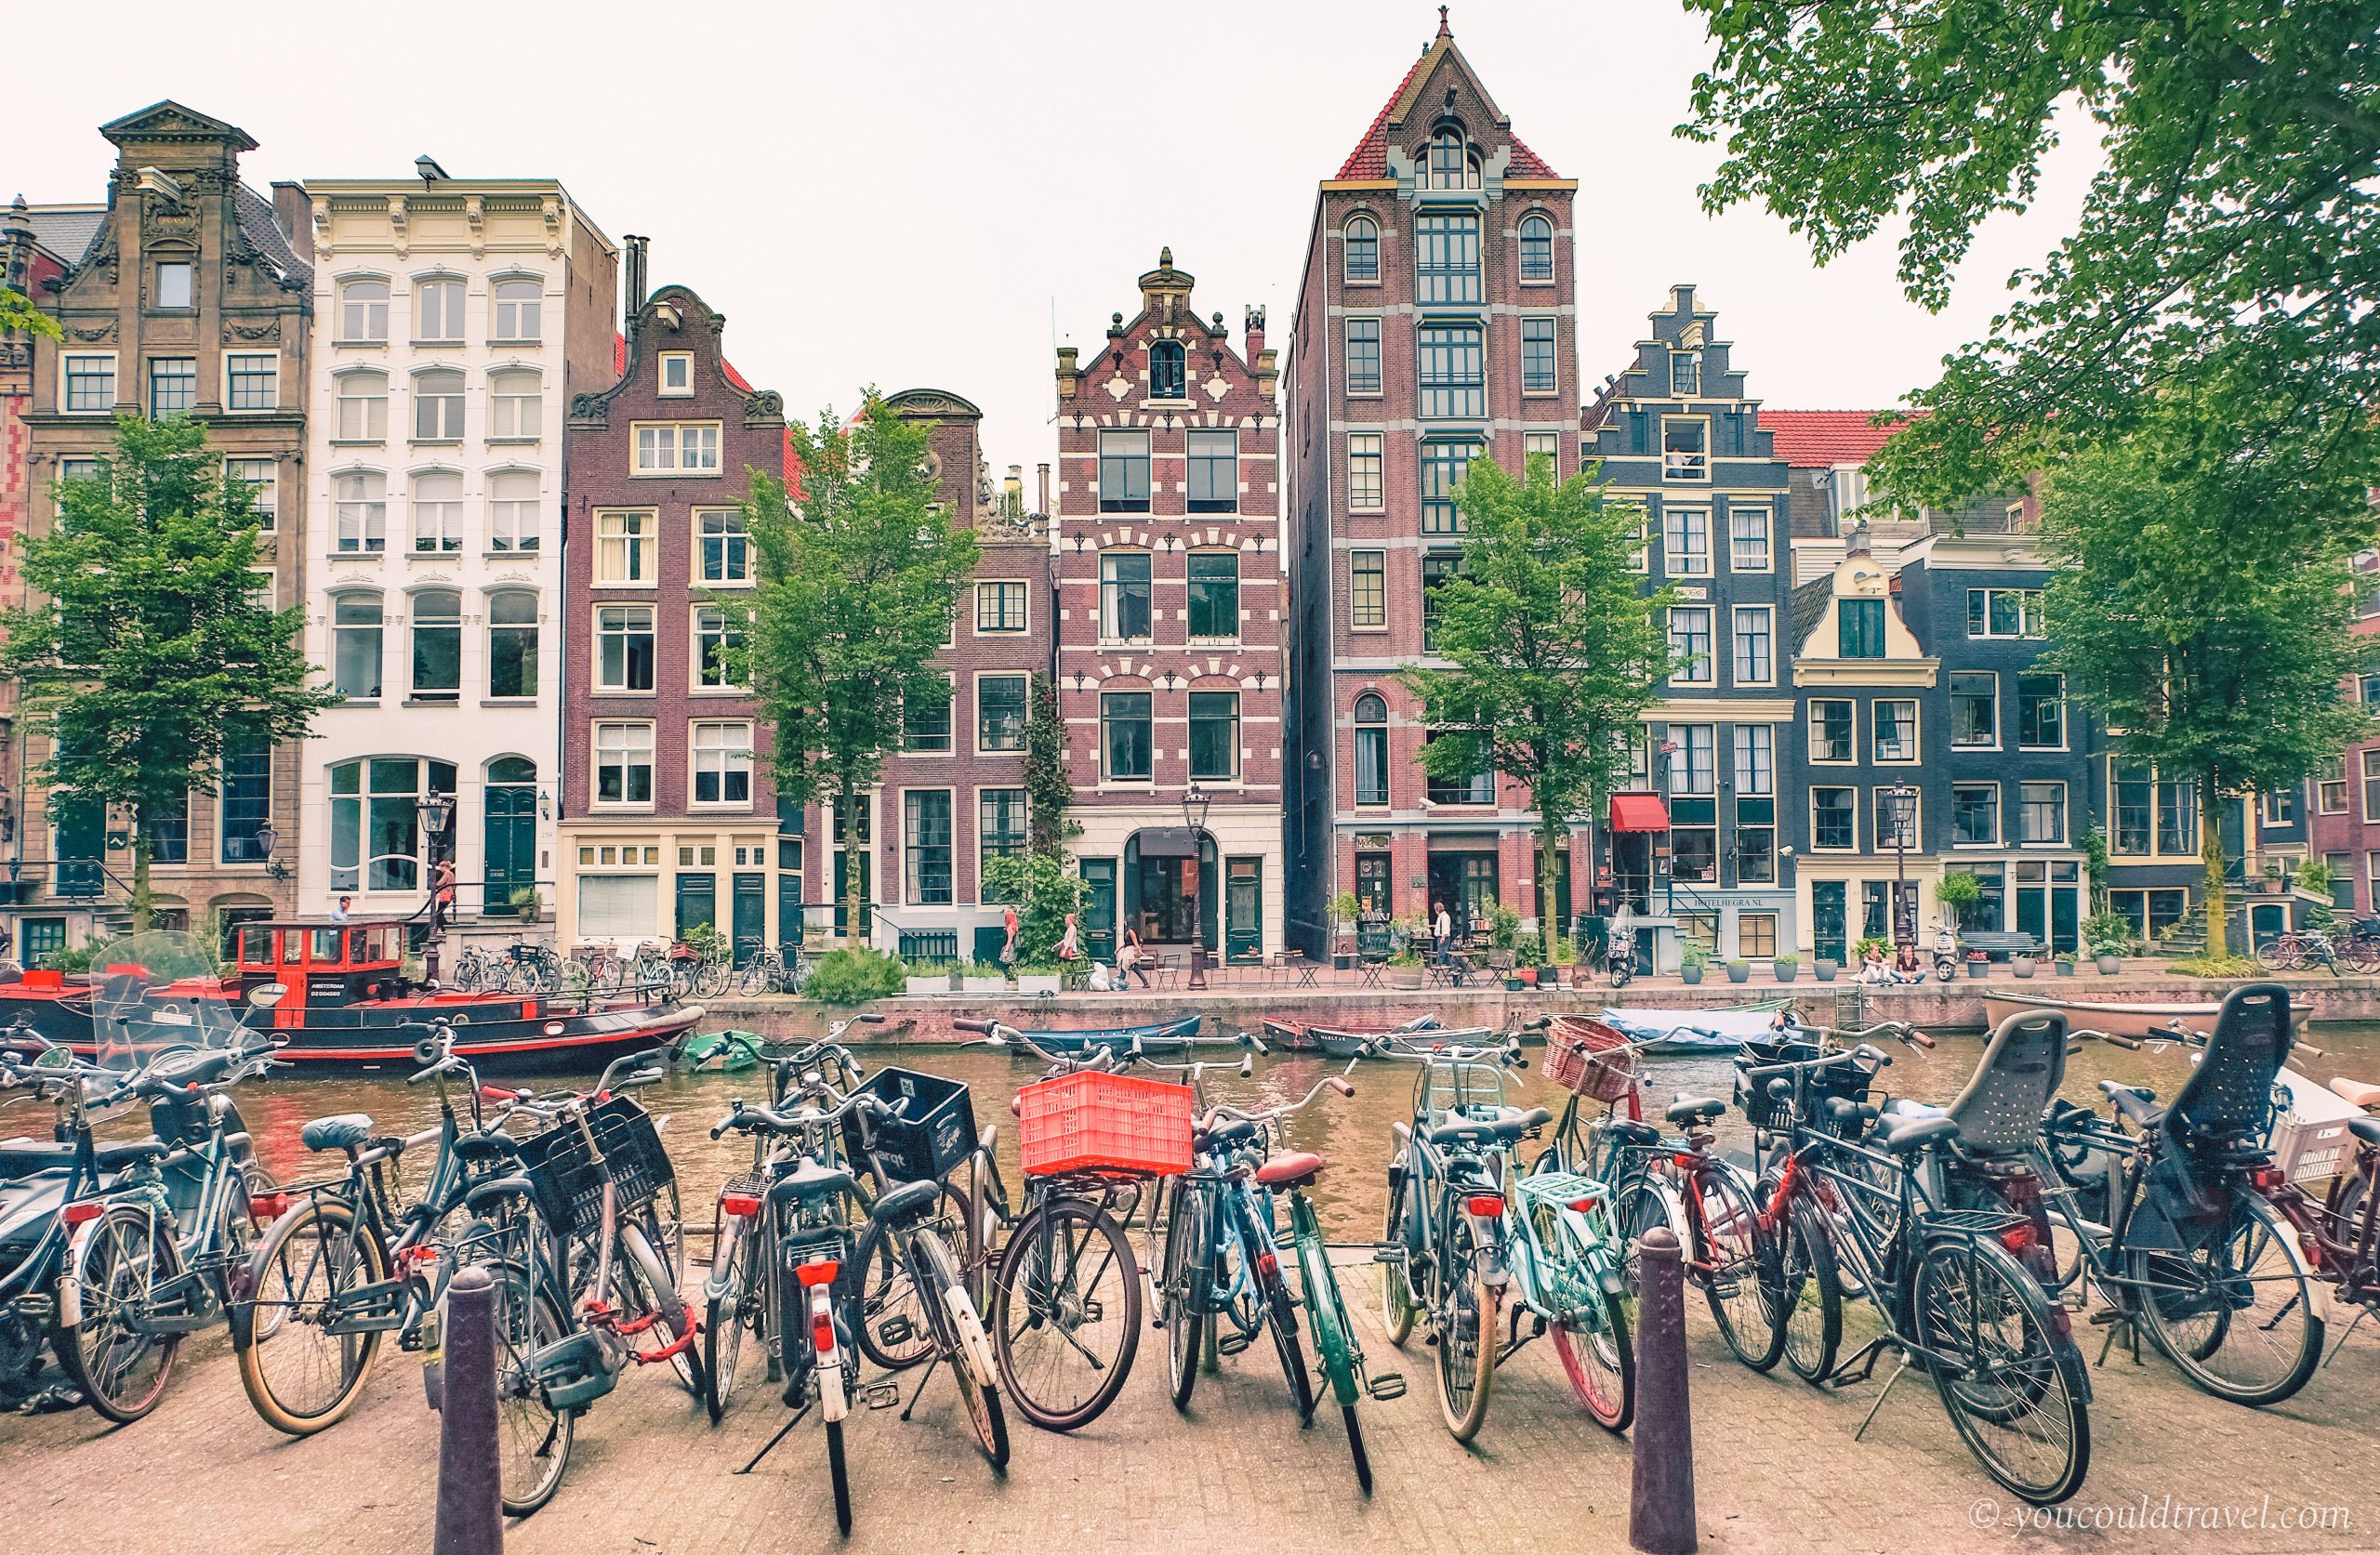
(454, 319)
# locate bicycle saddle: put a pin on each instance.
(810, 1181)
(2364, 1129)
(341, 1131)
(1220, 1132)
(2354, 1093)
(1634, 1132)
(1509, 1124)
(1916, 1133)
(1687, 1109)
(1844, 1113)
(2135, 1102)
(907, 1201)
(1290, 1170)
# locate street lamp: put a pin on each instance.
(437, 812)
(1904, 802)
(268, 838)
(1195, 802)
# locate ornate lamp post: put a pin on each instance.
(268, 838)
(1904, 802)
(1194, 804)
(437, 813)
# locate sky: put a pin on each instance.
(935, 194)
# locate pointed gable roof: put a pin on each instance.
(168, 120)
(1369, 159)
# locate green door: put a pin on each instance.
(751, 915)
(511, 828)
(1244, 909)
(867, 889)
(82, 843)
(2032, 912)
(1830, 927)
(1099, 909)
(2065, 903)
(697, 902)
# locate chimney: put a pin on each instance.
(635, 279)
(1044, 470)
(292, 212)
(1858, 542)
(1012, 494)
(1252, 329)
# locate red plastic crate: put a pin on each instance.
(1098, 1121)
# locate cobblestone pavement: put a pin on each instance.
(1776, 1464)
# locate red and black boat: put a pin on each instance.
(336, 996)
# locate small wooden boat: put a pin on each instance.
(1156, 1036)
(2099, 1015)
(1299, 1034)
(1695, 1030)
(727, 1051)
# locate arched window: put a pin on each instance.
(376, 820)
(437, 406)
(437, 502)
(363, 407)
(1362, 244)
(1168, 372)
(1371, 750)
(512, 768)
(360, 498)
(516, 404)
(1536, 248)
(437, 645)
(1453, 164)
(356, 645)
(512, 643)
(363, 311)
(518, 307)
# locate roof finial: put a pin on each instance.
(1165, 257)
(1443, 30)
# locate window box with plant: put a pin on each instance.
(982, 977)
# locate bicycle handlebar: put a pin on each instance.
(745, 1117)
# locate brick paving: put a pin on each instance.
(1777, 1468)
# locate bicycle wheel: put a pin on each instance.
(1282, 1318)
(121, 1366)
(840, 1473)
(735, 1304)
(650, 1284)
(1809, 1294)
(1467, 1316)
(978, 1396)
(533, 1439)
(299, 1374)
(2237, 1314)
(1334, 1340)
(1742, 1281)
(1397, 1291)
(894, 1330)
(1066, 1312)
(1597, 1354)
(2013, 1388)
(1643, 1205)
(1182, 1299)
(710, 977)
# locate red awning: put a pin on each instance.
(1638, 812)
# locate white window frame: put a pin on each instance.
(1810, 729)
(745, 579)
(725, 764)
(371, 526)
(448, 422)
(373, 414)
(66, 376)
(2065, 735)
(695, 644)
(950, 710)
(520, 309)
(675, 448)
(375, 330)
(1024, 588)
(241, 466)
(505, 533)
(635, 542)
(1816, 847)
(2367, 779)
(684, 389)
(1951, 697)
(188, 264)
(1374, 449)
(1766, 562)
(1916, 734)
(626, 748)
(627, 632)
(1706, 671)
(1879, 798)
(440, 520)
(1684, 561)
(1024, 729)
(2065, 814)
(1682, 473)
(1999, 818)
(1380, 555)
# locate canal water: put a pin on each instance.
(1351, 1133)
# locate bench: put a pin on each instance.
(1999, 945)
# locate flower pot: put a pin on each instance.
(1042, 983)
(1738, 972)
(2111, 965)
(1404, 977)
(2021, 965)
(1549, 977)
(1786, 970)
(1343, 961)
(1525, 976)
(2065, 964)
(1514, 985)
(1692, 975)
(1826, 971)
(927, 987)
(992, 986)
(1976, 968)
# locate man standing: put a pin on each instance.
(1442, 932)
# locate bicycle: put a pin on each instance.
(762, 970)
(1446, 1209)
(1954, 1298)
(2172, 1222)
(2340, 1232)
(1065, 1289)
(1626, 1173)
(2304, 949)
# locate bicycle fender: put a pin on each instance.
(834, 1400)
(973, 1341)
(722, 1258)
(70, 1287)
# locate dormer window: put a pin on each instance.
(174, 283)
(1452, 162)
(676, 374)
(1169, 371)
(1362, 257)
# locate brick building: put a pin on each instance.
(2343, 822)
(1171, 617)
(1434, 324)
(190, 296)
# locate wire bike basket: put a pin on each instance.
(1589, 1057)
(568, 1183)
(1096, 1122)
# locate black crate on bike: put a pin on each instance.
(934, 1134)
(1777, 1114)
(569, 1184)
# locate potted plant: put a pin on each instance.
(1786, 968)
(1956, 893)
(1344, 907)
(1040, 977)
(2022, 963)
(1738, 972)
(1826, 969)
(2314, 878)
(1977, 963)
(1405, 968)
(2064, 963)
(527, 903)
(1520, 978)
(1504, 929)
(1691, 964)
(926, 984)
(982, 977)
(2110, 938)
(2275, 881)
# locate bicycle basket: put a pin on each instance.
(933, 1136)
(1098, 1121)
(1806, 1096)
(1580, 1056)
(569, 1184)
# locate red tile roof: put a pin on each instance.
(1828, 437)
(1369, 159)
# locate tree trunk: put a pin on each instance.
(845, 814)
(140, 894)
(2210, 855)
(1549, 854)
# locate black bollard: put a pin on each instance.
(470, 1490)
(1661, 1498)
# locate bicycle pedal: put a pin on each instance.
(895, 1331)
(881, 1395)
(2073, 1300)
(1385, 1388)
(1232, 1344)
(1389, 1252)
(2106, 1316)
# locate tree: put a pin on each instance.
(2229, 242)
(1048, 790)
(2192, 617)
(145, 656)
(19, 316)
(859, 573)
(1555, 648)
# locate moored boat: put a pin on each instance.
(336, 997)
(1154, 1037)
(1694, 1031)
(1299, 1034)
(2115, 1017)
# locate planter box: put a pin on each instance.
(1786, 970)
(994, 985)
(1513, 985)
(1549, 977)
(1738, 972)
(1404, 977)
(2111, 965)
(1826, 971)
(927, 987)
(1692, 975)
(1343, 961)
(1976, 968)
(1041, 983)
(2064, 968)
(2021, 965)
